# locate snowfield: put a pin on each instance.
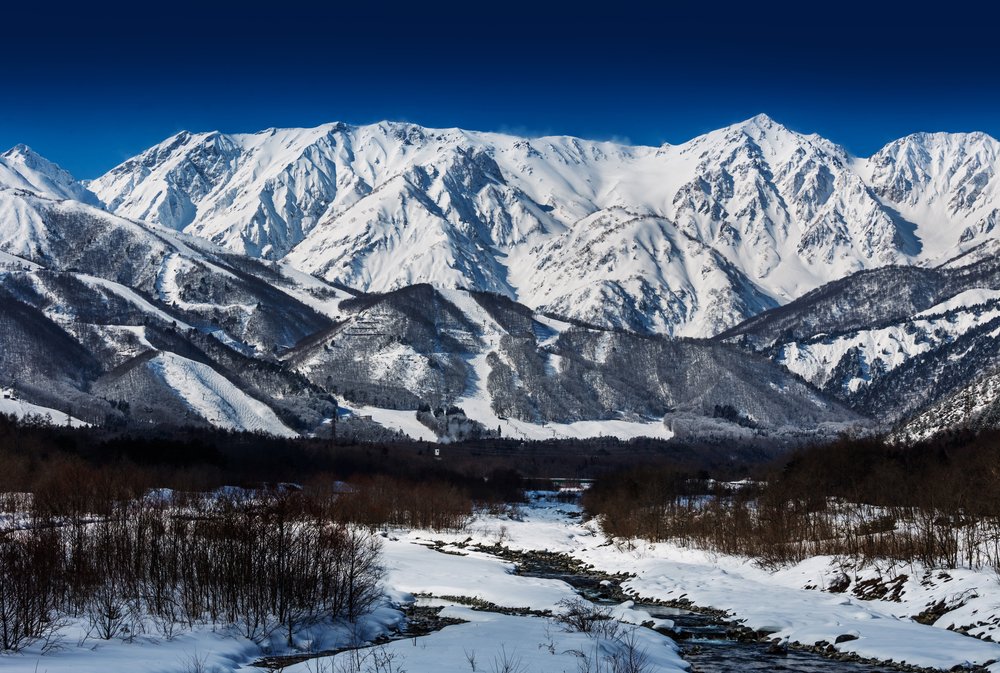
(406, 422)
(213, 397)
(400, 420)
(445, 570)
(790, 602)
(21, 409)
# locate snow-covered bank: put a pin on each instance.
(507, 627)
(203, 648)
(782, 601)
(447, 570)
(496, 642)
(526, 642)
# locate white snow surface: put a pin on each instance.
(213, 397)
(21, 409)
(969, 298)
(773, 600)
(513, 427)
(201, 648)
(395, 419)
(10, 262)
(406, 422)
(490, 637)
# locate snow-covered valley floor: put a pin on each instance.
(505, 630)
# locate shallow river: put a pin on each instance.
(705, 641)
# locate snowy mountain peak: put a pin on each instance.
(29, 163)
(771, 137)
(946, 184)
(23, 168)
(19, 150)
(760, 123)
(944, 149)
(758, 128)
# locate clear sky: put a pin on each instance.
(95, 83)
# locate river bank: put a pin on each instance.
(793, 604)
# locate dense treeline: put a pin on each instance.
(937, 503)
(198, 459)
(159, 533)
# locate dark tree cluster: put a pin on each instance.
(937, 503)
(128, 563)
(158, 533)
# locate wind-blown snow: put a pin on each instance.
(213, 397)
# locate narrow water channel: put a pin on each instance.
(706, 642)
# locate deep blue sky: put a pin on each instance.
(91, 85)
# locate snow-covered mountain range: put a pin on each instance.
(687, 239)
(896, 341)
(118, 321)
(447, 283)
(111, 320)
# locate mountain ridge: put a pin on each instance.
(766, 212)
(246, 280)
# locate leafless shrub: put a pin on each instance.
(381, 500)
(629, 657)
(319, 665)
(507, 662)
(379, 659)
(196, 663)
(577, 614)
(29, 582)
(259, 561)
(934, 504)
